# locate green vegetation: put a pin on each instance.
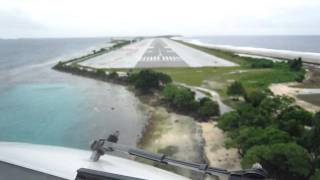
(120, 43)
(285, 160)
(148, 80)
(296, 64)
(250, 78)
(256, 97)
(100, 72)
(313, 80)
(269, 129)
(114, 75)
(208, 108)
(261, 63)
(253, 73)
(183, 99)
(180, 97)
(273, 131)
(94, 53)
(316, 175)
(236, 89)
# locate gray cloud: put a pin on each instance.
(60, 18)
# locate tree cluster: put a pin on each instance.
(236, 90)
(148, 80)
(180, 98)
(183, 99)
(296, 64)
(273, 131)
(261, 63)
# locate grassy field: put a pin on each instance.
(218, 78)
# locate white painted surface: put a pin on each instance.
(196, 58)
(160, 58)
(64, 162)
(125, 57)
(129, 56)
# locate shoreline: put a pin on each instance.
(175, 135)
(308, 57)
(178, 135)
(168, 131)
(174, 132)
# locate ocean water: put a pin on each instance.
(294, 43)
(43, 106)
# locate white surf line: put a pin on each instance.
(309, 57)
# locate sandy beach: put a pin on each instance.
(286, 89)
(183, 138)
(308, 57)
(216, 153)
(175, 135)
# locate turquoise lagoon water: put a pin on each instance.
(43, 106)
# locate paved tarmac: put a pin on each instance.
(160, 55)
(153, 53)
(307, 57)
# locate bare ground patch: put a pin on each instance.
(175, 135)
(286, 89)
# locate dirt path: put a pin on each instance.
(213, 95)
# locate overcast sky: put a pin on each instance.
(93, 18)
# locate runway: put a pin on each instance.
(160, 55)
(155, 53)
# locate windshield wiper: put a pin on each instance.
(101, 146)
